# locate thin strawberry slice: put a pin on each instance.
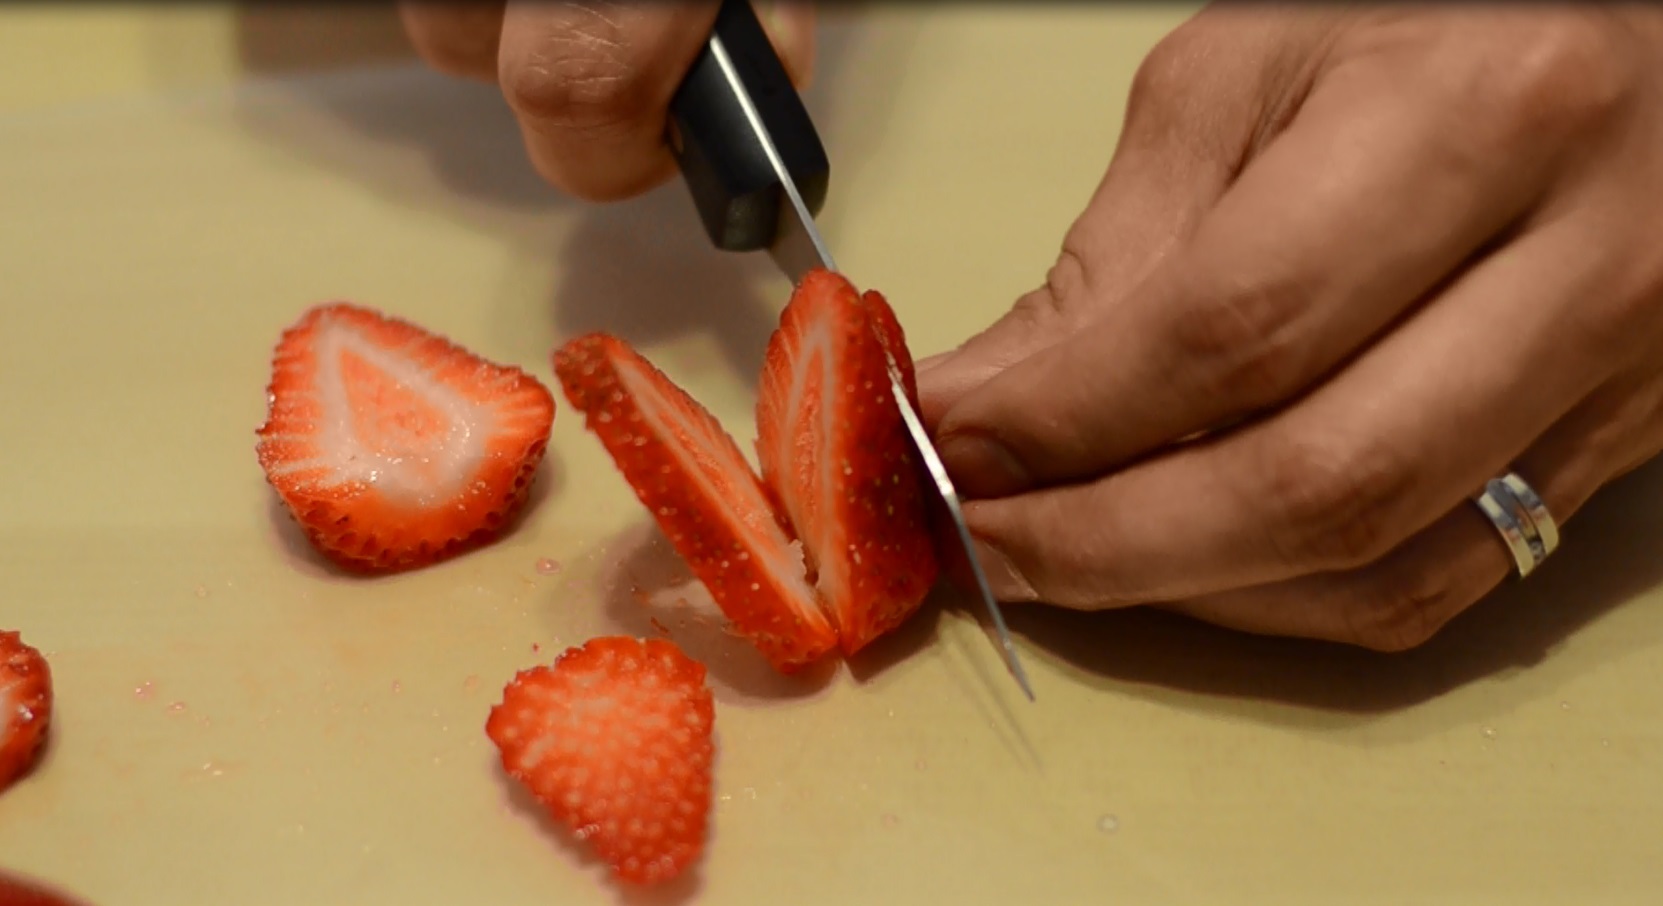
(836, 452)
(691, 476)
(393, 447)
(615, 740)
(25, 706)
(894, 340)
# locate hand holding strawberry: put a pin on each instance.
(1381, 255)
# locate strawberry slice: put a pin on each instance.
(25, 706)
(615, 740)
(15, 891)
(692, 477)
(393, 447)
(836, 452)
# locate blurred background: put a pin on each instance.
(56, 53)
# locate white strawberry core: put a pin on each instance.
(812, 393)
(414, 466)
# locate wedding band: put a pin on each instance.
(1518, 514)
(1546, 528)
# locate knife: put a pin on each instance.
(754, 164)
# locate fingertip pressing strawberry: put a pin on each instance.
(691, 476)
(615, 739)
(25, 706)
(393, 447)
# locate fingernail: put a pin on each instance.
(1006, 580)
(981, 466)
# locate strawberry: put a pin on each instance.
(392, 447)
(16, 891)
(615, 740)
(692, 477)
(25, 706)
(836, 452)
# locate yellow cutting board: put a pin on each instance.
(237, 724)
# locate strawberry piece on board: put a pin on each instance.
(25, 706)
(615, 740)
(393, 447)
(695, 482)
(836, 452)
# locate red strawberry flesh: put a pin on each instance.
(15, 891)
(690, 475)
(615, 740)
(834, 448)
(394, 447)
(25, 706)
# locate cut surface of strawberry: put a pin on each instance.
(615, 739)
(25, 706)
(835, 450)
(394, 447)
(691, 476)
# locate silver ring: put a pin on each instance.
(1518, 514)
(1537, 512)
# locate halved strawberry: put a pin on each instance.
(25, 706)
(615, 740)
(691, 476)
(393, 447)
(835, 450)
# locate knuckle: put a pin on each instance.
(1167, 74)
(1407, 610)
(1048, 310)
(1333, 501)
(1241, 338)
(1165, 70)
(1560, 77)
(576, 84)
(1064, 288)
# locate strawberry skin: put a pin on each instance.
(16, 891)
(615, 740)
(692, 477)
(25, 706)
(835, 450)
(392, 447)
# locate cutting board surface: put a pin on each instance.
(236, 723)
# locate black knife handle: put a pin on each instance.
(722, 161)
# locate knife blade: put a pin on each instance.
(756, 169)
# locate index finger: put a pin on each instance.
(1370, 198)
